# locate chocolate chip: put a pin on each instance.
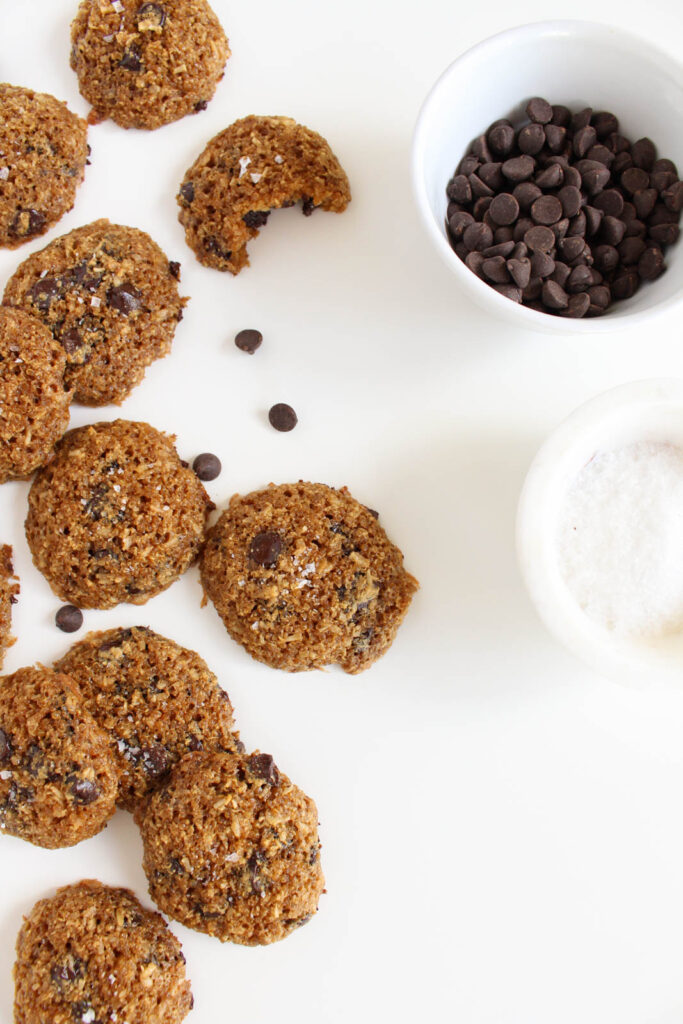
(519, 168)
(282, 417)
(174, 269)
(502, 249)
(200, 105)
(307, 206)
(611, 202)
(207, 466)
(501, 137)
(561, 115)
(256, 218)
(605, 123)
(634, 179)
(480, 190)
(602, 154)
(504, 209)
(555, 137)
(581, 119)
(71, 340)
(554, 296)
(84, 791)
(651, 263)
(69, 618)
(583, 140)
(612, 230)
(599, 296)
(539, 239)
(542, 264)
(510, 291)
(496, 270)
(43, 292)
(546, 210)
(520, 271)
(124, 298)
(132, 59)
(630, 250)
(525, 193)
(5, 746)
(606, 258)
(664, 234)
(249, 340)
(266, 548)
(551, 177)
(593, 219)
(264, 767)
(155, 760)
(27, 223)
(531, 139)
(643, 153)
(459, 189)
(187, 191)
(625, 284)
(539, 110)
(151, 14)
(457, 223)
(477, 236)
(579, 280)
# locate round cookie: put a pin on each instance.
(58, 780)
(115, 516)
(110, 297)
(43, 153)
(95, 955)
(304, 576)
(9, 591)
(155, 699)
(146, 64)
(34, 400)
(231, 848)
(255, 165)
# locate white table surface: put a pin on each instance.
(502, 829)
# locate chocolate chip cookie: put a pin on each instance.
(155, 699)
(43, 153)
(115, 516)
(254, 166)
(145, 64)
(94, 955)
(58, 779)
(231, 848)
(9, 592)
(34, 400)
(110, 298)
(304, 576)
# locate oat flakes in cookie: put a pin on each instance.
(156, 700)
(231, 848)
(109, 295)
(115, 516)
(304, 576)
(251, 168)
(58, 779)
(91, 954)
(9, 592)
(34, 400)
(43, 153)
(146, 64)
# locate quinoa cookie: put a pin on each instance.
(115, 516)
(155, 699)
(34, 400)
(255, 165)
(9, 592)
(110, 298)
(58, 779)
(43, 153)
(95, 955)
(145, 65)
(231, 848)
(304, 576)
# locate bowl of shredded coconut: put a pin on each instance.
(600, 532)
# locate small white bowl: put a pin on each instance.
(648, 410)
(576, 63)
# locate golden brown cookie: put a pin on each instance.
(94, 955)
(58, 779)
(34, 400)
(254, 166)
(145, 64)
(304, 576)
(110, 298)
(9, 592)
(43, 152)
(232, 849)
(156, 701)
(115, 516)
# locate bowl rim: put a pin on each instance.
(481, 292)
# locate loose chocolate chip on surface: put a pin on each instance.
(643, 153)
(495, 270)
(504, 209)
(477, 236)
(249, 340)
(125, 298)
(84, 791)
(554, 296)
(69, 618)
(264, 767)
(546, 210)
(207, 466)
(539, 239)
(282, 417)
(532, 138)
(651, 264)
(266, 548)
(501, 137)
(634, 179)
(519, 168)
(539, 110)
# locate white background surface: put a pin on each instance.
(502, 829)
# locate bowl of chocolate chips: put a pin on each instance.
(546, 170)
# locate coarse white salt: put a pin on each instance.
(255, 177)
(278, 159)
(620, 539)
(244, 163)
(4, 173)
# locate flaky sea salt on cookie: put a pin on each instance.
(9, 590)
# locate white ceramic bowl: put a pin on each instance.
(576, 63)
(648, 410)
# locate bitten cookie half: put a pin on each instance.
(232, 849)
(304, 576)
(146, 64)
(156, 700)
(115, 516)
(9, 592)
(58, 780)
(94, 955)
(34, 400)
(43, 153)
(109, 296)
(254, 166)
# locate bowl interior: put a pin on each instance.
(575, 63)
